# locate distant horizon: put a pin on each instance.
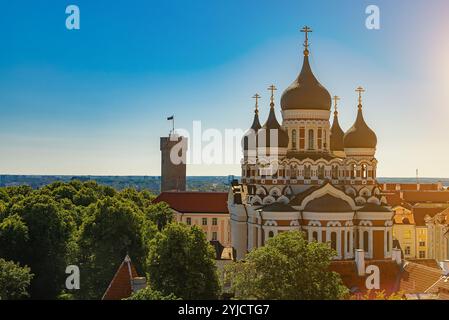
(120, 175)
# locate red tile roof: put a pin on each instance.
(195, 202)
(418, 278)
(389, 275)
(121, 285)
(419, 213)
(425, 196)
(393, 198)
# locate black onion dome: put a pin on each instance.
(360, 135)
(272, 124)
(252, 132)
(306, 92)
(337, 135)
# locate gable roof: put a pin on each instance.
(328, 203)
(121, 285)
(418, 278)
(195, 202)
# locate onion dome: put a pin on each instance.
(337, 134)
(272, 124)
(360, 135)
(251, 134)
(328, 203)
(306, 93)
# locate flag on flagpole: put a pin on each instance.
(170, 118)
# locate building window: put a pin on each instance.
(422, 254)
(364, 171)
(270, 234)
(307, 172)
(334, 241)
(320, 138)
(311, 139)
(348, 240)
(214, 236)
(334, 172)
(407, 250)
(321, 172)
(302, 134)
(365, 241)
(315, 236)
(189, 221)
(422, 243)
(214, 221)
(204, 221)
(353, 171)
(294, 139)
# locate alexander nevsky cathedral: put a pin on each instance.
(305, 174)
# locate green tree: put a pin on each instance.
(160, 214)
(13, 237)
(181, 262)
(287, 268)
(149, 294)
(112, 228)
(49, 230)
(14, 280)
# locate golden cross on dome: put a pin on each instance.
(306, 30)
(336, 99)
(257, 97)
(360, 90)
(272, 88)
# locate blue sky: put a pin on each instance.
(94, 100)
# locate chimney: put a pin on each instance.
(138, 283)
(360, 262)
(445, 266)
(396, 255)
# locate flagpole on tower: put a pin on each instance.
(172, 118)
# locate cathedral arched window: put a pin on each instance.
(320, 172)
(270, 234)
(334, 240)
(334, 172)
(365, 241)
(294, 139)
(315, 235)
(353, 171)
(364, 171)
(307, 172)
(311, 139)
(348, 240)
(294, 172)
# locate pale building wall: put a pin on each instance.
(215, 225)
(406, 235)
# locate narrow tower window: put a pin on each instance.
(294, 139)
(311, 139)
(302, 137)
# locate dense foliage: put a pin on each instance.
(287, 268)
(149, 294)
(182, 262)
(77, 223)
(14, 280)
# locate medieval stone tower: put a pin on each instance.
(173, 163)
